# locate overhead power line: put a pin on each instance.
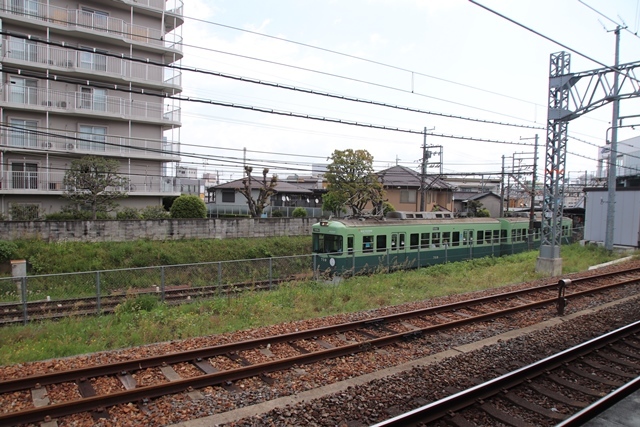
(90, 83)
(277, 85)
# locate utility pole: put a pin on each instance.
(533, 187)
(613, 152)
(423, 172)
(502, 189)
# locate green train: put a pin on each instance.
(418, 239)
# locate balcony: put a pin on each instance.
(92, 102)
(51, 182)
(21, 51)
(75, 19)
(81, 143)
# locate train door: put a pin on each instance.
(397, 251)
(351, 252)
(467, 240)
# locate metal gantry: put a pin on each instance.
(571, 96)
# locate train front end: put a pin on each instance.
(328, 248)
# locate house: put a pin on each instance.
(489, 201)
(225, 199)
(88, 78)
(627, 158)
(402, 186)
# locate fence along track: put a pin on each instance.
(377, 333)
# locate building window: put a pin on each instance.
(93, 98)
(93, 61)
(92, 138)
(25, 7)
(96, 19)
(22, 133)
(24, 91)
(25, 50)
(407, 196)
(24, 176)
(228, 196)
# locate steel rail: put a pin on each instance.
(18, 384)
(440, 408)
(97, 402)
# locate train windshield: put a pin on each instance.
(327, 243)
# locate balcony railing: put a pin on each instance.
(90, 102)
(83, 143)
(79, 19)
(39, 182)
(18, 49)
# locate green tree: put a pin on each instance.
(352, 182)
(188, 206)
(266, 189)
(94, 182)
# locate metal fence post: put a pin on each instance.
(446, 253)
(219, 278)
(23, 292)
(270, 273)
(98, 292)
(315, 266)
(162, 283)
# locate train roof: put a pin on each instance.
(379, 222)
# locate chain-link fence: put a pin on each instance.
(57, 295)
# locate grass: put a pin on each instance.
(145, 320)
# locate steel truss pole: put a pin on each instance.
(549, 260)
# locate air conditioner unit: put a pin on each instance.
(71, 146)
(47, 145)
(47, 103)
(62, 104)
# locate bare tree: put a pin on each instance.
(266, 189)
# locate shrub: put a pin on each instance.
(24, 212)
(7, 249)
(155, 212)
(73, 215)
(128, 213)
(137, 304)
(277, 214)
(188, 206)
(299, 212)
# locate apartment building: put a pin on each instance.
(85, 78)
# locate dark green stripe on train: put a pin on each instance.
(412, 240)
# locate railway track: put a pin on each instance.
(15, 313)
(565, 389)
(222, 365)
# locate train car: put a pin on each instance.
(417, 239)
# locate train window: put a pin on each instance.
(424, 240)
(467, 237)
(350, 245)
(381, 243)
(513, 235)
(367, 243)
(480, 237)
(327, 243)
(496, 236)
(394, 242)
(401, 242)
(435, 240)
(455, 241)
(503, 236)
(414, 241)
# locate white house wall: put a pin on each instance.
(626, 221)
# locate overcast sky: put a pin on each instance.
(449, 57)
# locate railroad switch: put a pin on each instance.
(562, 301)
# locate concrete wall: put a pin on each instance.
(169, 229)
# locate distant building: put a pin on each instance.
(627, 158)
(63, 64)
(403, 188)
